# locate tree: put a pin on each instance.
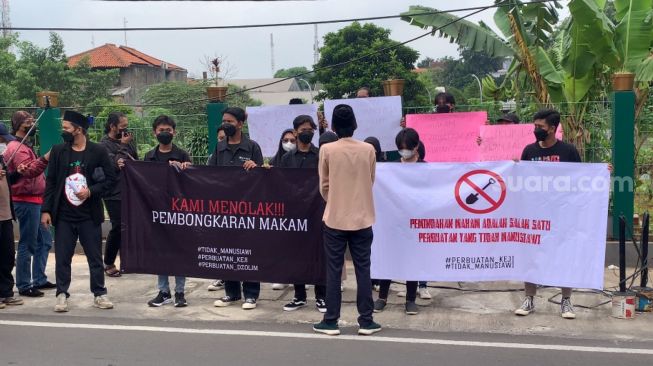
(425, 63)
(297, 70)
(357, 40)
(565, 68)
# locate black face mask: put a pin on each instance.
(123, 132)
(229, 129)
(540, 134)
(28, 133)
(165, 138)
(67, 137)
(306, 137)
(442, 109)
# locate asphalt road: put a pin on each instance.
(56, 340)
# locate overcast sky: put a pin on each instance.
(247, 50)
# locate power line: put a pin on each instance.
(213, 27)
(340, 64)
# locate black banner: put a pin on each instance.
(222, 223)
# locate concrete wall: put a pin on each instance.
(140, 77)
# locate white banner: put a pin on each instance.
(266, 123)
(527, 221)
(379, 117)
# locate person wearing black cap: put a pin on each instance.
(346, 169)
(508, 119)
(7, 249)
(80, 173)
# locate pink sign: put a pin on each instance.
(449, 137)
(506, 142)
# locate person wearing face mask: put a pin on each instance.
(407, 142)
(548, 148)
(27, 186)
(121, 146)
(79, 174)
(305, 156)
(164, 129)
(237, 150)
(287, 142)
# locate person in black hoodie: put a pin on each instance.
(287, 142)
(120, 145)
(80, 173)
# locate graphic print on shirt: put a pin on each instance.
(75, 183)
(550, 158)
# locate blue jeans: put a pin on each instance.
(164, 284)
(33, 246)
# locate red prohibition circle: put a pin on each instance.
(465, 179)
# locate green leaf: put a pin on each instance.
(462, 32)
(634, 33)
(644, 72)
(592, 31)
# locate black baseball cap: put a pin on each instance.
(509, 117)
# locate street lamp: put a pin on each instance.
(309, 87)
(480, 86)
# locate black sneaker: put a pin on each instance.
(369, 329)
(379, 305)
(224, 301)
(294, 305)
(326, 328)
(180, 300)
(46, 286)
(31, 292)
(320, 304)
(161, 299)
(411, 308)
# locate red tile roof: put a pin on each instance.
(111, 56)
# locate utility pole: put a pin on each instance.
(316, 46)
(5, 22)
(124, 23)
(272, 53)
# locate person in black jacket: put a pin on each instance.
(305, 156)
(237, 150)
(120, 145)
(80, 173)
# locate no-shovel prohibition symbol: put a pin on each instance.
(480, 191)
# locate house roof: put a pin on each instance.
(110, 56)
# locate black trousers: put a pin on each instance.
(65, 240)
(411, 290)
(7, 258)
(360, 247)
(250, 290)
(113, 238)
(300, 292)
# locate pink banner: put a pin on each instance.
(449, 137)
(506, 142)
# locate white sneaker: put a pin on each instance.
(527, 307)
(249, 304)
(401, 294)
(102, 302)
(424, 294)
(376, 288)
(342, 286)
(216, 285)
(279, 286)
(567, 309)
(62, 303)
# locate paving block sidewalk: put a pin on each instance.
(473, 310)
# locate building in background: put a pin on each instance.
(137, 70)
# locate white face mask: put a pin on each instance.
(3, 147)
(287, 146)
(406, 154)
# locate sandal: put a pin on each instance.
(112, 271)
